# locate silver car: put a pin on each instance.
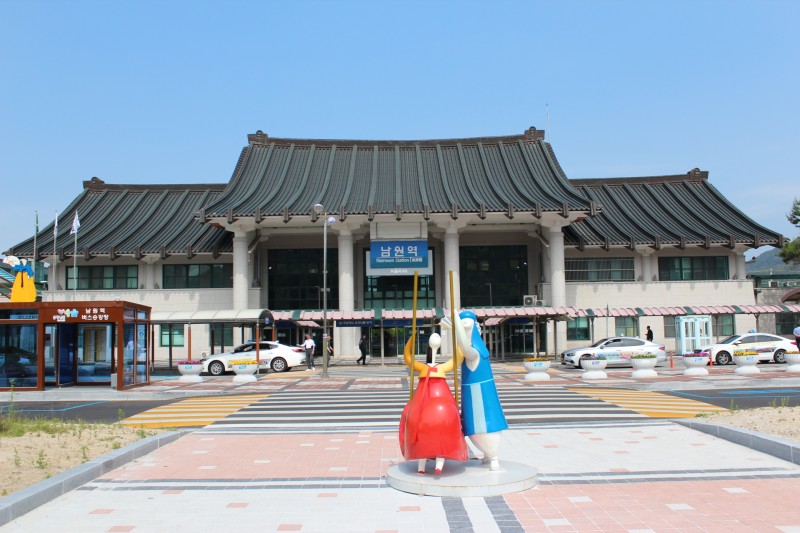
(272, 355)
(616, 350)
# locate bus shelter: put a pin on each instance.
(60, 344)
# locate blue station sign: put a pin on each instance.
(393, 254)
(355, 323)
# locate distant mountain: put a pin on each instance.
(770, 262)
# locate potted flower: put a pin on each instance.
(190, 370)
(695, 363)
(244, 369)
(643, 365)
(793, 361)
(594, 366)
(537, 368)
(746, 361)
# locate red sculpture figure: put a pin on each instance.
(430, 427)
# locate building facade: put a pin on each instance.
(546, 261)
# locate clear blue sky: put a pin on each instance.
(166, 91)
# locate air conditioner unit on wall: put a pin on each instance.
(529, 300)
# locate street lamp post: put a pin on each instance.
(490, 295)
(327, 221)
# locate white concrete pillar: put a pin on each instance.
(241, 281)
(558, 286)
(741, 267)
(345, 343)
(451, 257)
(646, 262)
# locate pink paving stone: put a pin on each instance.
(120, 529)
(409, 508)
(327, 495)
(290, 527)
(237, 505)
(172, 491)
(102, 511)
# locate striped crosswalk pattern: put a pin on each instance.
(192, 412)
(652, 404)
(381, 409)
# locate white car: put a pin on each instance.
(616, 350)
(769, 347)
(274, 355)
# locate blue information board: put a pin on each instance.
(393, 254)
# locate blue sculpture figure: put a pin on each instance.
(482, 415)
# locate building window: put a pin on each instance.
(214, 276)
(599, 270)
(222, 335)
(723, 325)
(669, 327)
(625, 326)
(493, 275)
(692, 268)
(397, 292)
(578, 329)
(786, 322)
(104, 277)
(177, 335)
(296, 282)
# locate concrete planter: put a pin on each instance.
(537, 370)
(695, 365)
(644, 368)
(190, 373)
(746, 364)
(594, 368)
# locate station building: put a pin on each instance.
(546, 261)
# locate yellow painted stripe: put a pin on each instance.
(192, 411)
(652, 404)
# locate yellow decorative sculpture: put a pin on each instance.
(24, 289)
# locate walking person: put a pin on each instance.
(309, 347)
(649, 334)
(362, 346)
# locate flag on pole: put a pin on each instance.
(76, 223)
(55, 229)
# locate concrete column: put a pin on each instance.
(741, 267)
(241, 281)
(345, 343)
(451, 257)
(647, 263)
(558, 286)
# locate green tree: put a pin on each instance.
(790, 253)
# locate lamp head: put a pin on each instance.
(318, 209)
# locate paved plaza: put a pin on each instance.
(620, 473)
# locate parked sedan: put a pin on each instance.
(616, 350)
(274, 355)
(769, 347)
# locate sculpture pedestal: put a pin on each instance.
(460, 479)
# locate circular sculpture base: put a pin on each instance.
(460, 479)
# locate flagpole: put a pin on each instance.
(35, 255)
(54, 286)
(76, 223)
(75, 268)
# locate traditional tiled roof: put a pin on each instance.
(275, 177)
(286, 177)
(134, 220)
(680, 211)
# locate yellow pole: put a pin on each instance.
(413, 336)
(453, 333)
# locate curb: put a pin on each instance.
(29, 498)
(774, 446)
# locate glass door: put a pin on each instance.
(66, 349)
